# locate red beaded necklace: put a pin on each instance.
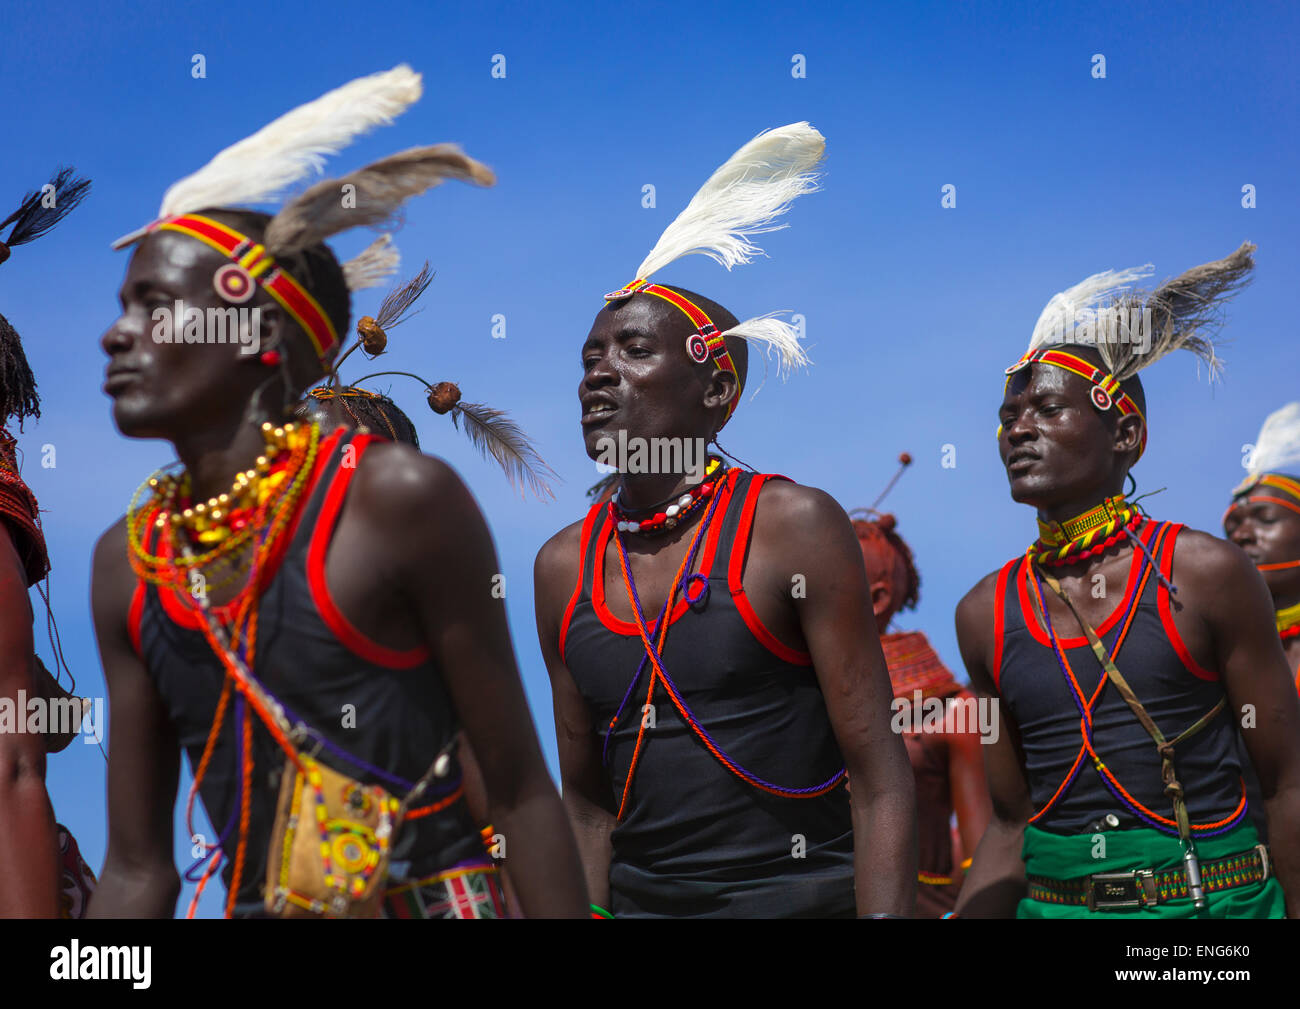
(678, 510)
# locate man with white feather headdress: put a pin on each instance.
(1264, 520)
(710, 687)
(269, 606)
(1122, 666)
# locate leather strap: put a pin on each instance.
(1173, 787)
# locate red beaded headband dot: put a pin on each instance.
(250, 263)
(707, 341)
(1106, 390)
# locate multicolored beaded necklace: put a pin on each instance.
(272, 507)
(1288, 622)
(667, 514)
(1085, 535)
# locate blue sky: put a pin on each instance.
(912, 310)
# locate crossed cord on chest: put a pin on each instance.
(1181, 824)
(659, 674)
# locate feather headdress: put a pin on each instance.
(1277, 449)
(745, 197)
(1132, 329)
(260, 167)
(491, 431)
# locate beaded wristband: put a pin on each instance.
(599, 912)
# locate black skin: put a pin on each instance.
(1269, 533)
(634, 363)
(28, 846)
(1062, 457)
(195, 396)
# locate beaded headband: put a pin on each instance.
(1106, 391)
(249, 263)
(707, 341)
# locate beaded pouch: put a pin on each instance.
(330, 844)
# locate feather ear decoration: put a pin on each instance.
(772, 334)
(379, 261)
(744, 197)
(377, 192)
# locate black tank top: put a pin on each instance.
(387, 707)
(1068, 792)
(695, 839)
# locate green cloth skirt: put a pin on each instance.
(1063, 857)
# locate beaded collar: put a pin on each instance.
(1084, 535)
(667, 515)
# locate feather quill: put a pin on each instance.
(396, 306)
(379, 261)
(379, 190)
(744, 197)
(493, 433)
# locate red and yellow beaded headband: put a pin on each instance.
(249, 263)
(707, 341)
(1106, 389)
(1243, 494)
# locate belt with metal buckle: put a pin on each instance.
(1112, 891)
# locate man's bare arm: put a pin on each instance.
(139, 878)
(28, 862)
(838, 626)
(1248, 654)
(585, 788)
(995, 883)
(465, 626)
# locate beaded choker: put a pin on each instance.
(1288, 622)
(678, 510)
(1085, 535)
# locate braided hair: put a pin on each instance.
(367, 409)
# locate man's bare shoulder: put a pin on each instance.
(397, 484)
(556, 566)
(978, 602)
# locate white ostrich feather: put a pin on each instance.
(1277, 449)
(743, 197)
(1086, 299)
(259, 167)
(772, 334)
(379, 261)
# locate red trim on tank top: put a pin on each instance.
(344, 630)
(1166, 616)
(1031, 616)
(587, 524)
(735, 578)
(133, 615)
(1000, 619)
(185, 614)
(627, 627)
